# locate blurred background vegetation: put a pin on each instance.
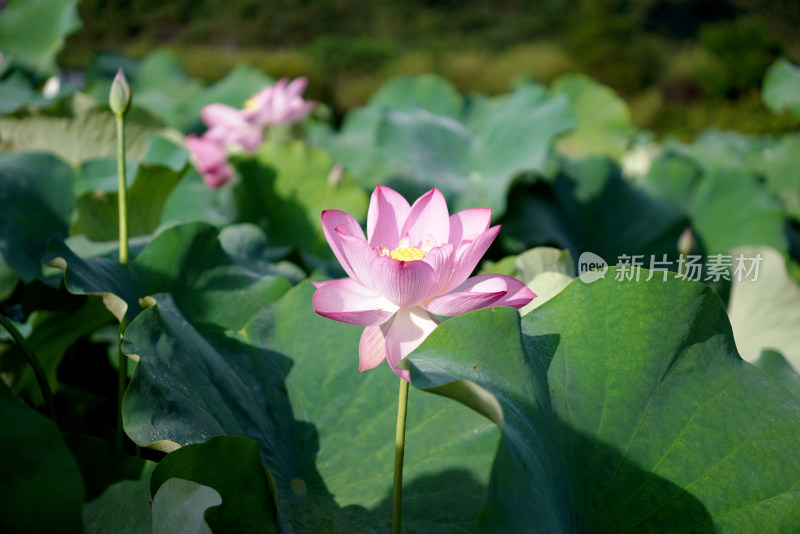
(682, 65)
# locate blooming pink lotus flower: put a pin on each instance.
(211, 161)
(231, 126)
(280, 103)
(413, 265)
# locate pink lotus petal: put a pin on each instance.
(467, 224)
(478, 292)
(469, 254)
(247, 136)
(518, 294)
(217, 114)
(408, 330)
(359, 255)
(428, 220)
(211, 161)
(388, 211)
(372, 347)
(280, 103)
(296, 87)
(441, 260)
(331, 220)
(346, 304)
(405, 283)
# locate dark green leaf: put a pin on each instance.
(179, 506)
(98, 216)
(186, 261)
(42, 487)
(329, 444)
(232, 467)
(285, 190)
(36, 200)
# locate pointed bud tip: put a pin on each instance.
(119, 98)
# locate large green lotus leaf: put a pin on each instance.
(8, 280)
(232, 468)
(354, 145)
(764, 308)
(180, 506)
(673, 179)
(191, 200)
(625, 408)
(52, 335)
(247, 245)
(286, 188)
(429, 92)
(42, 486)
(32, 32)
(36, 200)
(117, 486)
(779, 165)
(122, 508)
(161, 85)
(186, 261)
(589, 207)
(329, 442)
(714, 149)
(98, 212)
(167, 151)
(17, 91)
(475, 168)
(730, 210)
(89, 134)
(604, 122)
(782, 87)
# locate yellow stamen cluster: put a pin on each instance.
(407, 254)
(250, 104)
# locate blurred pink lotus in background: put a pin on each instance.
(230, 128)
(211, 161)
(279, 104)
(413, 264)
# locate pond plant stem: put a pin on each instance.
(41, 378)
(119, 100)
(399, 450)
(122, 191)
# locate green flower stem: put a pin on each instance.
(122, 376)
(122, 190)
(399, 450)
(34, 363)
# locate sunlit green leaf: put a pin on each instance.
(604, 122)
(624, 407)
(782, 87)
(32, 32)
